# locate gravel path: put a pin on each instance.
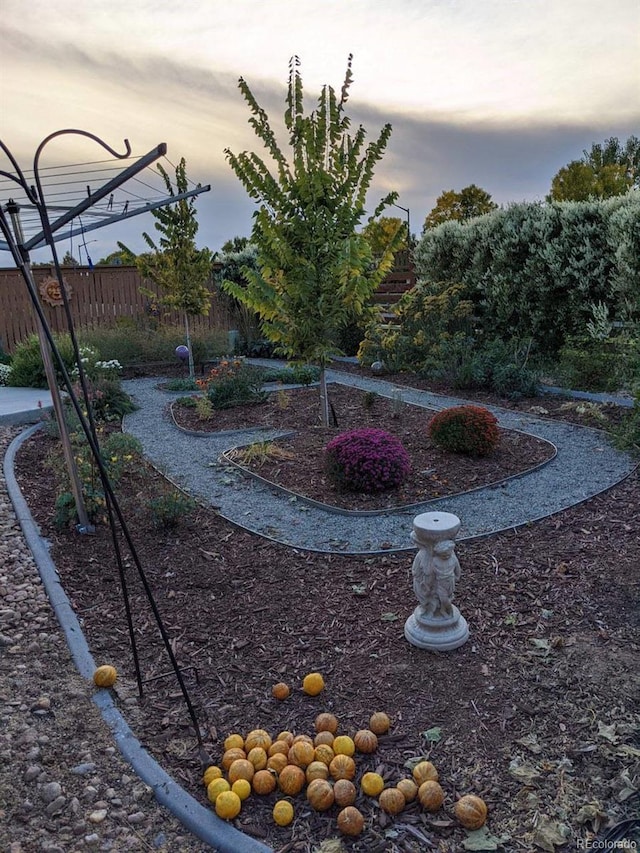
(585, 465)
(64, 787)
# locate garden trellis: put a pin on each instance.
(99, 204)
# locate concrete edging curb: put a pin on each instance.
(199, 820)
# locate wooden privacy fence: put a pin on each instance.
(106, 295)
(99, 297)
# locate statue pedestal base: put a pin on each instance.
(436, 633)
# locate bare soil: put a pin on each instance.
(537, 713)
(434, 472)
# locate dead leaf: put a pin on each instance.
(550, 834)
(607, 732)
(481, 839)
(530, 742)
(524, 772)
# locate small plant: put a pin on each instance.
(397, 403)
(367, 460)
(109, 402)
(204, 407)
(180, 384)
(298, 374)
(626, 435)
(471, 430)
(187, 402)
(260, 452)
(369, 400)
(5, 372)
(230, 384)
(120, 454)
(168, 511)
(283, 400)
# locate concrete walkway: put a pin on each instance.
(23, 405)
(585, 464)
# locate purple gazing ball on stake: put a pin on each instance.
(182, 352)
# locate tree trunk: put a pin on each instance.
(324, 398)
(187, 332)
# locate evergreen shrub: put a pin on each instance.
(367, 460)
(470, 430)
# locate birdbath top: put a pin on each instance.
(436, 525)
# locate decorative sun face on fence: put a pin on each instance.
(51, 293)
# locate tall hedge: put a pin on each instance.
(534, 270)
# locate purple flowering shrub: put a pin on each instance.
(366, 460)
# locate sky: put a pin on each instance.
(500, 93)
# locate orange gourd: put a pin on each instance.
(350, 821)
(320, 795)
(431, 795)
(326, 722)
(342, 767)
(264, 782)
(379, 723)
(471, 811)
(344, 793)
(392, 801)
(291, 780)
(365, 741)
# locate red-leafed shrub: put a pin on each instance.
(471, 430)
(367, 460)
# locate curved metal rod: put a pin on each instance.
(47, 139)
(21, 180)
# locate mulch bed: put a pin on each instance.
(434, 472)
(537, 713)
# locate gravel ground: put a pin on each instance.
(585, 464)
(64, 787)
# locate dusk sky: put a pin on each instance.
(500, 93)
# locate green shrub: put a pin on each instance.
(187, 402)
(27, 369)
(5, 373)
(184, 384)
(132, 345)
(168, 511)
(109, 401)
(500, 366)
(231, 383)
(591, 365)
(297, 374)
(471, 430)
(426, 319)
(119, 453)
(626, 435)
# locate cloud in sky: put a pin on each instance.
(499, 93)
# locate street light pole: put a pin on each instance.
(406, 210)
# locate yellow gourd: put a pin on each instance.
(313, 683)
(283, 813)
(372, 784)
(228, 805)
(105, 676)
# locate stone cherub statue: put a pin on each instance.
(434, 577)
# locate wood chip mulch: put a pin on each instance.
(537, 712)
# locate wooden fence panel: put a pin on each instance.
(99, 297)
(105, 295)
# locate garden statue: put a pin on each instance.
(436, 623)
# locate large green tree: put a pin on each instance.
(314, 273)
(469, 202)
(175, 264)
(381, 232)
(606, 170)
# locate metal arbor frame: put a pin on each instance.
(19, 247)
